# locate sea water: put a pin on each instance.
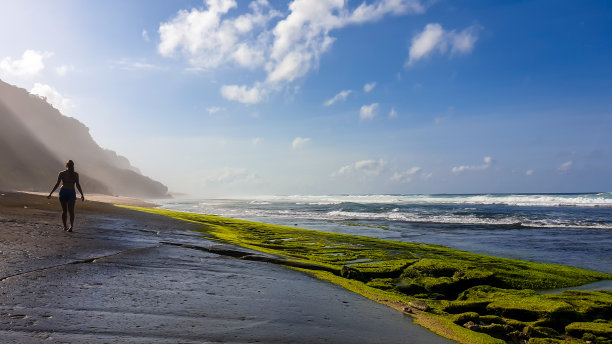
(569, 229)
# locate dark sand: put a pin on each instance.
(114, 281)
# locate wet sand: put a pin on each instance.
(120, 278)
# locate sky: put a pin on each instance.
(231, 97)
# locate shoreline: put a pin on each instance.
(483, 289)
(120, 277)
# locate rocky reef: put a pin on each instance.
(467, 297)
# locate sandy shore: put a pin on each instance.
(119, 279)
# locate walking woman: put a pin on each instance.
(67, 193)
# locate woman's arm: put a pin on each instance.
(78, 185)
(59, 180)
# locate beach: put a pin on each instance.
(122, 277)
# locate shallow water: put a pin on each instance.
(569, 229)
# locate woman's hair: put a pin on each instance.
(70, 165)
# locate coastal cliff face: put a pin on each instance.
(36, 140)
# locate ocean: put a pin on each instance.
(568, 229)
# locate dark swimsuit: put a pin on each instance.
(65, 194)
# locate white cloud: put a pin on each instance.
(487, 163)
(338, 97)
(131, 65)
(286, 50)
(435, 38)
(63, 70)
(368, 111)
(53, 97)
(244, 94)
(369, 87)
(208, 40)
(300, 142)
(145, 35)
(256, 141)
(214, 109)
(231, 176)
(566, 166)
(529, 172)
(364, 167)
(30, 64)
(406, 176)
(393, 113)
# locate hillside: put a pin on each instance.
(36, 140)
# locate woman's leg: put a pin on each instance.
(64, 215)
(71, 211)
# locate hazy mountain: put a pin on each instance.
(36, 140)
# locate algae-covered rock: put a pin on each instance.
(451, 281)
(420, 305)
(463, 318)
(578, 329)
(591, 304)
(545, 341)
(351, 273)
(382, 283)
(544, 332)
(449, 278)
(492, 319)
(456, 307)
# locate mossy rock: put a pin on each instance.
(412, 289)
(533, 308)
(382, 283)
(462, 318)
(591, 304)
(456, 281)
(456, 307)
(545, 341)
(578, 329)
(496, 330)
(545, 332)
(487, 292)
(446, 277)
(492, 319)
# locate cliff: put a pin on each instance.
(36, 140)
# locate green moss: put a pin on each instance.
(497, 291)
(578, 329)
(462, 318)
(382, 283)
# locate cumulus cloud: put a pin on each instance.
(30, 64)
(53, 97)
(145, 35)
(286, 49)
(392, 113)
(300, 142)
(529, 172)
(369, 87)
(435, 39)
(231, 176)
(566, 166)
(405, 176)
(368, 111)
(63, 70)
(487, 163)
(363, 167)
(244, 94)
(209, 40)
(338, 97)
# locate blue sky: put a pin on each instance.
(225, 97)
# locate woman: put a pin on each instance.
(67, 193)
